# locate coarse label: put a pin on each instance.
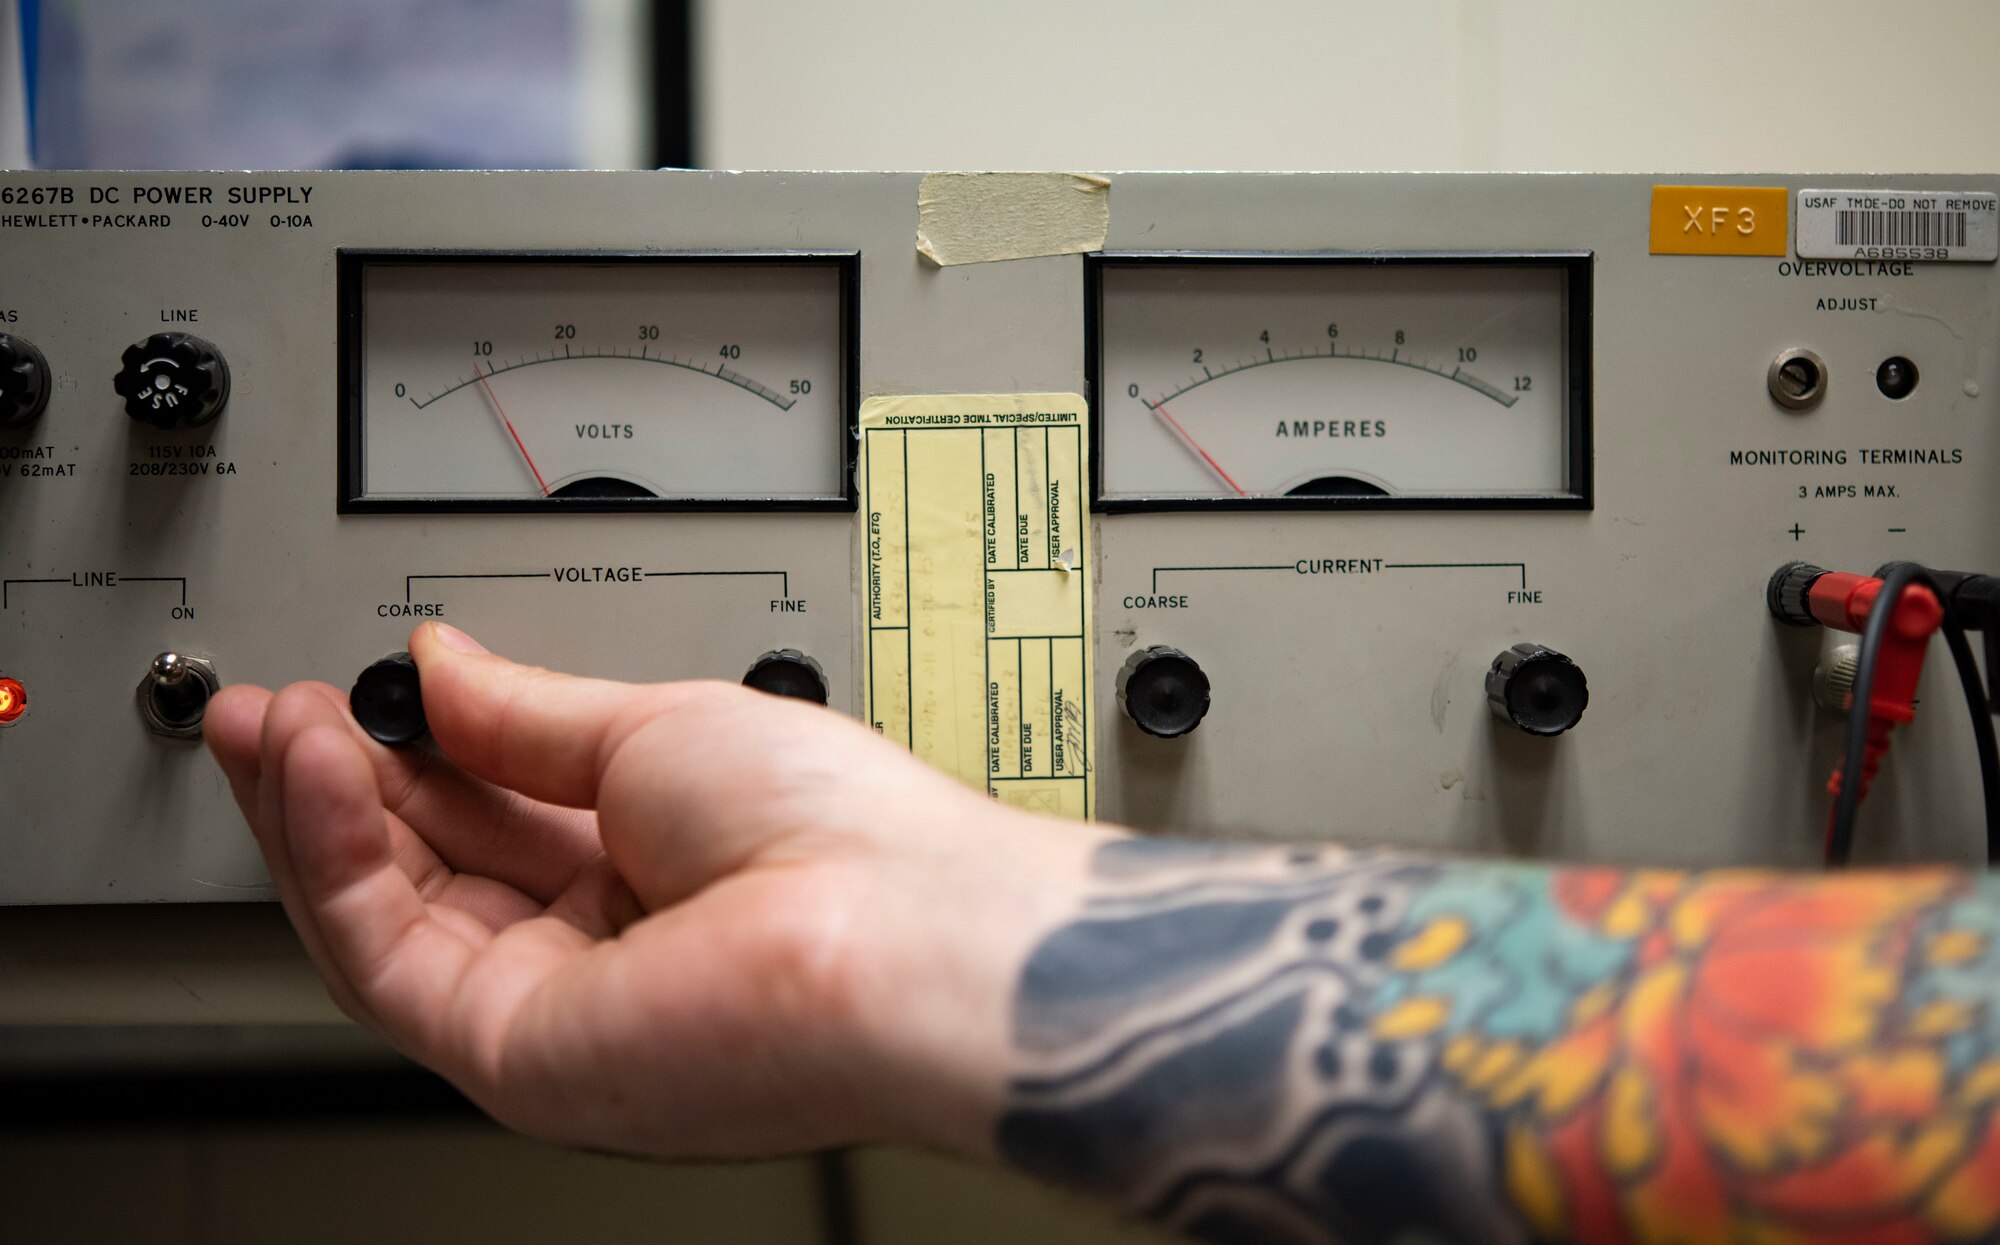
(1899, 224)
(977, 607)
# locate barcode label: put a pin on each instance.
(1899, 224)
(1855, 228)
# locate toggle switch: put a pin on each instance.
(788, 672)
(174, 695)
(388, 701)
(1163, 691)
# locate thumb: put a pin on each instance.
(690, 781)
(544, 734)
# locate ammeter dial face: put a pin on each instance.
(528, 382)
(1337, 381)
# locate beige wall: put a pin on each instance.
(1621, 85)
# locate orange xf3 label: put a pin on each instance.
(1720, 220)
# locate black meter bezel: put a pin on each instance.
(352, 264)
(1576, 266)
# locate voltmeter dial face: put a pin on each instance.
(632, 382)
(1275, 382)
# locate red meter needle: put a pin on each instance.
(1160, 409)
(525, 456)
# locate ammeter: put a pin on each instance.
(1304, 381)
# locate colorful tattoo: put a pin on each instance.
(1260, 1046)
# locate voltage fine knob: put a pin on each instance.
(173, 380)
(24, 382)
(788, 672)
(1163, 691)
(388, 701)
(1536, 689)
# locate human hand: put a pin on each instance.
(681, 920)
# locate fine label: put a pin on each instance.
(978, 601)
(1899, 224)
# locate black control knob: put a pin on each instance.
(1163, 691)
(388, 701)
(1537, 689)
(173, 380)
(24, 382)
(788, 672)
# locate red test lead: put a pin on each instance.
(1803, 594)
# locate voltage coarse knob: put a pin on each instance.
(388, 701)
(1163, 691)
(24, 382)
(1536, 689)
(788, 672)
(173, 380)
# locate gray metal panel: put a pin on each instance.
(1345, 707)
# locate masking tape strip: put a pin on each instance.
(973, 218)
(977, 610)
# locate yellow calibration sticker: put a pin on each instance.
(978, 600)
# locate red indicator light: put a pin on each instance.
(13, 701)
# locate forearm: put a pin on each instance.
(1272, 1045)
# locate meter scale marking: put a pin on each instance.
(720, 373)
(1457, 375)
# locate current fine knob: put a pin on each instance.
(1163, 691)
(173, 380)
(1536, 689)
(24, 382)
(388, 701)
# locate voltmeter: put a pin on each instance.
(1309, 381)
(604, 382)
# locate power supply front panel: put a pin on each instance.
(1353, 435)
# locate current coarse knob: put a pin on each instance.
(1163, 691)
(24, 382)
(1536, 689)
(388, 701)
(173, 380)
(788, 672)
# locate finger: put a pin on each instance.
(232, 728)
(491, 902)
(381, 938)
(540, 733)
(441, 990)
(474, 826)
(285, 714)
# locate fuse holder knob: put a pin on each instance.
(1163, 691)
(388, 701)
(173, 380)
(788, 672)
(1536, 689)
(24, 382)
